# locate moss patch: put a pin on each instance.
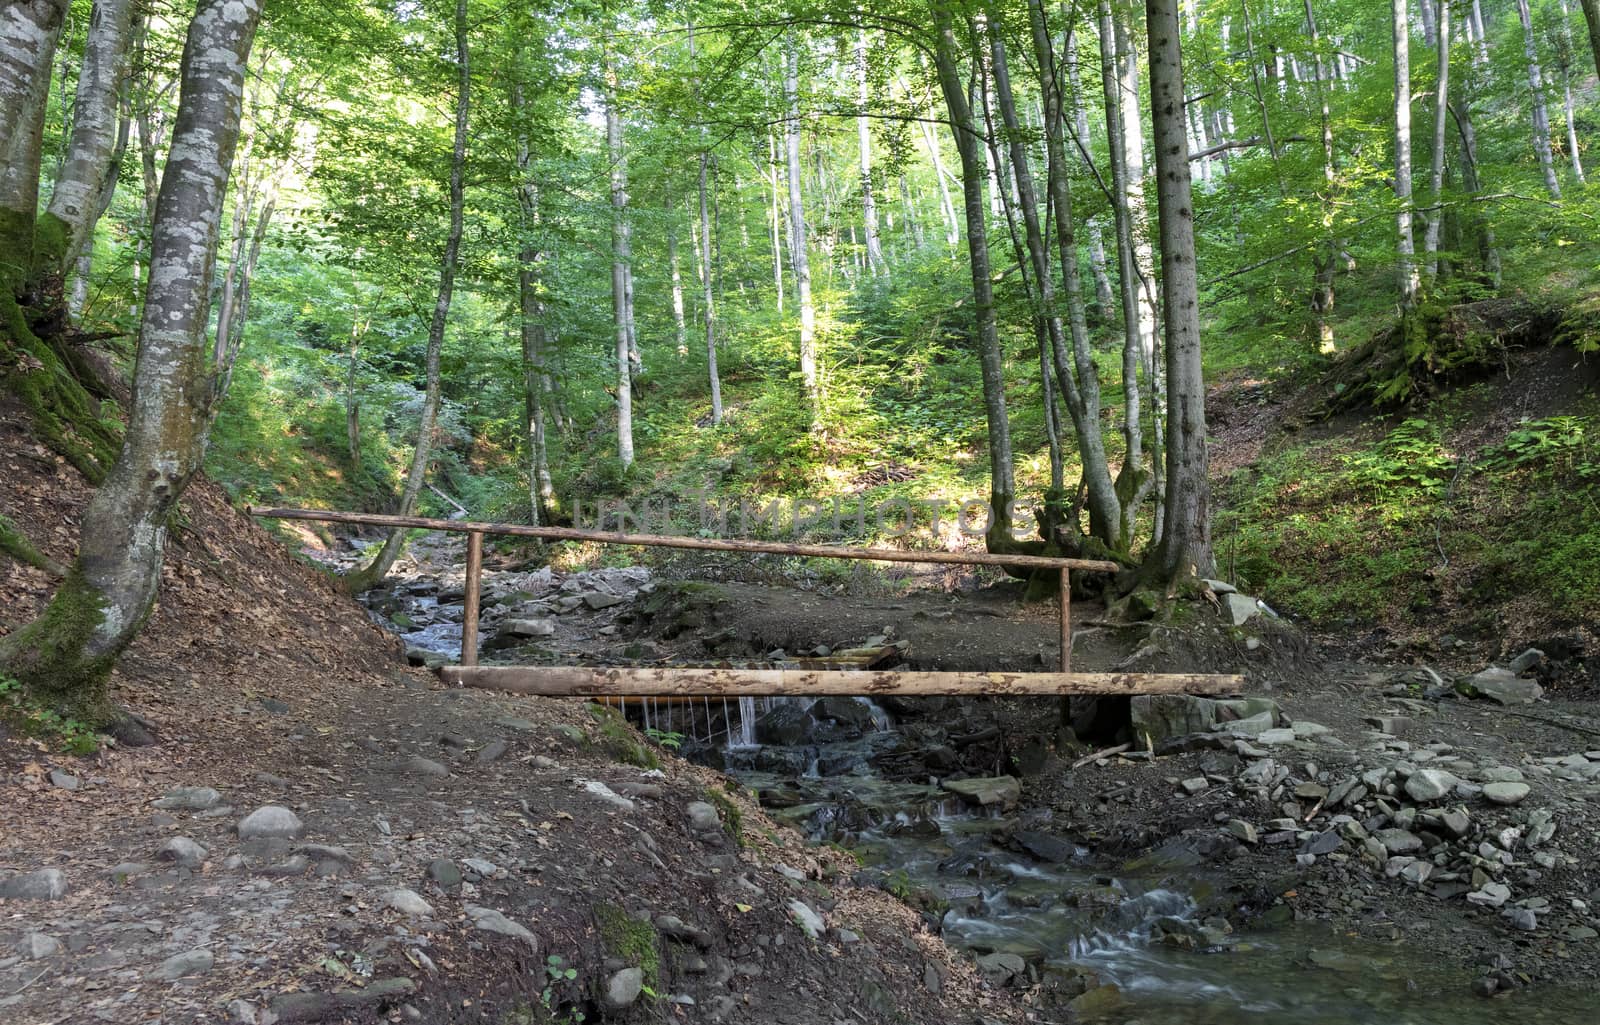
(732, 817)
(625, 937)
(48, 655)
(617, 740)
(15, 543)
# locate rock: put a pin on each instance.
(36, 946)
(1239, 608)
(623, 988)
(1428, 785)
(675, 928)
(492, 752)
(987, 792)
(1165, 716)
(64, 780)
(1490, 895)
(785, 725)
(1250, 726)
(444, 873)
(271, 821)
(481, 868)
(1325, 842)
(1393, 725)
(1526, 661)
(44, 884)
(1046, 847)
(1398, 841)
(1522, 918)
(1274, 737)
(1505, 793)
(317, 1007)
(1194, 785)
(1310, 792)
(1001, 967)
(529, 628)
(808, 920)
(1501, 774)
(1501, 686)
(1219, 586)
(242, 1012)
(1243, 830)
(189, 799)
(417, 765)
(1456, 821)
(190, 962)
(703, 817)
(490, 920)
(843, 710)
(597, 600)
(408, 902)
(184, 851)
(595, 788)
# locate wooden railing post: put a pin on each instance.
(1066, 619)
(469, 612)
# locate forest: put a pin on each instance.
(1288, 308)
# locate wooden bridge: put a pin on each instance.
(668, 681)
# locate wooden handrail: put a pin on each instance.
(476, 530)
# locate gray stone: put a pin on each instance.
(1250, 726)
(1428, 785)
(1001, 967)
(1526, 661)
(184, 851)
(1272, 738)
(1219, 586)
(808, 920)
(1195, 785)
(271, 821)
(493, 752)
(484, 869)
(44, 884)
(408, 902)
(1490, 895)
(594, 788)
(189, 799)
(1310, 792)
(1505, 793)
(242, 1012)
(1239, 608)
(1164, 716)
(1522, 918)
(987, 792)
(444, 873)
(64, 780)
(490, 920)
(1243, 830)
(623, 988)
(703, 817)
(1323, 843)
(528, 628)
(1393, 725)
(1306, 730)
(417, 765)
(1455, 821)
(190, 962)
(597, 600)
(1501, 686)
(1501, 774)
(1398, 841)
(36, 946)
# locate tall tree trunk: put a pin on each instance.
(869, 202)
(798, 256)
(66, 655)
(352, 394)
(1185, 548)
(78, 190)
(29, 31)
(1097, 244)
(621, 254)
(947, 208)
(534, 335)
(1441, 115)
(1407, 247)
(1325, 256)
(705, 255)
(1541, 113)
(1566, 93)
(1488, 252)
(1002, 490)
(1079, 378)
(1591, 18)
(373, 573)
(680, 329)
(777, 218)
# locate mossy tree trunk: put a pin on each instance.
(65, 656)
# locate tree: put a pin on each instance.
(1540, 112)
(1441, 115)
(1184, 550)
(799, 256)
(370, 575)
(66, 655)
(1407, 246)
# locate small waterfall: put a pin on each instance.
(747, 722)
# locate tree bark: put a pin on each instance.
(29, 31)
(621, 254)
(1406, 246)
(680, 329)
(66, 655)
(1080, 379)
(1591, 18)
(869, 202)
(1097, 245)
(416, 476)
(798, 255)
(1441, 114)
(708, 298)
(1002, 489)
(75, 201)
(534, 335)
(1566, 94)
(1541, 113)
(1185, 548)
(1324, 258)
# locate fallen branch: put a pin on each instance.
(1096, 756)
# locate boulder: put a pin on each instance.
(44, 884)
(1165, 716)
(987, 792)
(623, 988)
(843, 710)
(1505, 792)
(271, 821)
(1501, 686)
(1239, 608)
(1428, 785)
(785, 724)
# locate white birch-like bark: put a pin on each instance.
(798, 256)
(869, 202)
(78, 190)
(1323, 260)
(1541, 113)
(29, 31)
(1406, 244)
(621, 253)
(1441, 115)
(1184, 551)
(1103, 295)
(680, 329)
(1566, 94)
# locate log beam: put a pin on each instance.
(582, 681)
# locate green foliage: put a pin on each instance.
(629, 939)
(1407, 460)
(669, 739)
(619, 741)
(1560, 442)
